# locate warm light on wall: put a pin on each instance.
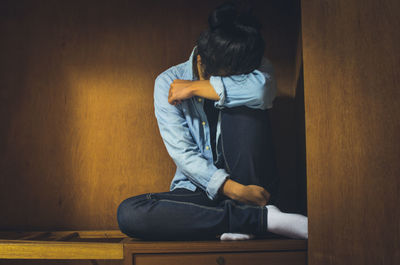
(108, 120)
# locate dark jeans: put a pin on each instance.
(185, 215)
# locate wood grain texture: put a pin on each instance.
(206, 252)
(142, 247)
(62, 245)
(60, 250)
(113, 245)
(78, 133)
(352, 98)
(56, 235)
(77, 129)
(274, 258)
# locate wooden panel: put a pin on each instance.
(273, 258)
(352, 98)
(60, 250)
(132, 249)
(214, 246)
(77, 132)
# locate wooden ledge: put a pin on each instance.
(60, 250)
(113, 245)
(93, 245)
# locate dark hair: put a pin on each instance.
(232, 44)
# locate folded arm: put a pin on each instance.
(254, 90)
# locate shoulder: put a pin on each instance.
(165, 78)
(180, 71)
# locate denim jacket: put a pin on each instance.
(184, 127)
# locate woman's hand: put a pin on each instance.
(253, 194)
(180, 90)
(250, 194)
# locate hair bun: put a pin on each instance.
(224, 15)
(249, 20)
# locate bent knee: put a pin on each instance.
(131, 216)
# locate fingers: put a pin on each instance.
(264, 201)
(266, 194)
(172, 95)
(172, 100)
(250, 194)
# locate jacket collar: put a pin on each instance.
(188, 74)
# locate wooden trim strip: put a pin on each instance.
(101, 234)
(23, 235)
(15, 249)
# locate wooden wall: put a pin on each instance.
(352, 98)
(77, 129)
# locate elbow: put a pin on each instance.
(266, 93)
(259, 98)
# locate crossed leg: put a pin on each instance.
(185, 215)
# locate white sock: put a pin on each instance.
(235, 236)
(287, 224)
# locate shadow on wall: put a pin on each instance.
(288, 125)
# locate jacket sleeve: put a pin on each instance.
(255, 90)
(180, 144)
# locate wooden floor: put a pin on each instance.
(113, 245)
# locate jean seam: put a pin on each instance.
(193, 204)
(181, 195)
